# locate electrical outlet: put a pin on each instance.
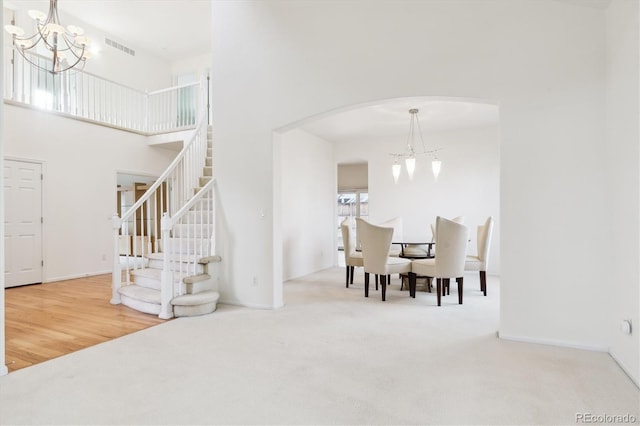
(104, 257)
(254, 283)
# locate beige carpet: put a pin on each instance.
(330, 356)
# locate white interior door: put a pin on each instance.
(23, 223)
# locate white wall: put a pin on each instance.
(80, 163)
(308, 204)
(623, 157)
(199, 65)
(278, 62)
(468, 185)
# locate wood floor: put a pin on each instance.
(45, 321)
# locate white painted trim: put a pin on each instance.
(43, 207)
(550, 342)
(90, 121)
(624, 368)
(4, 370)
(76, 276)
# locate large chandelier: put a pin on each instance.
(62, 48)
(410, 153)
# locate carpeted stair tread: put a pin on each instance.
(196, 278)
(176, 257)
(209, 259)
(208, 296)
(147, 272)
(156, 274)
(142, 294)
(187, 258)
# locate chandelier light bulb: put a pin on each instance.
(14, 30)
(436, 165)
(37, 15)
(410, 163)
(396, 171)
(76, 31)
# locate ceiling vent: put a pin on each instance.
(118, 46)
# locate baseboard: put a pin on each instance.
(624, 368)
(73, 277)
(549, 342)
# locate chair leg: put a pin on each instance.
(389, 279)
(438, 288)
(412, 285)
(459, 281)
(376, 282)
(383, 283)
(348, 268)
(483, 282)
(429, 285)
(366, 284)
(446, 289)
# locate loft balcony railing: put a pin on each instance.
(89, 97)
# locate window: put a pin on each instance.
(352, 204)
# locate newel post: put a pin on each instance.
(116, 275)
(166, 286)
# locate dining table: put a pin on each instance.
(404, 244)
(428, 255)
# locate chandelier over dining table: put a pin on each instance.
(412, 151)
(63, 48)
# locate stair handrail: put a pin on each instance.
(179, 262)
(166, 195)
(163, 177)
(203, 191)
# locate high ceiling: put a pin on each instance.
(170, 29)
(390, 118)
(176, 29)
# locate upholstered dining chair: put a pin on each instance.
(352, 258)
(375, 241)
(398, 235)
(480, 261)
(451, 240)
(457, 219)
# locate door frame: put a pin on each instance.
(43, 209)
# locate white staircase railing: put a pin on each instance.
(90, 97)
(187, 240)
(175, 216)
(151, 225)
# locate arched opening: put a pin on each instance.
(464, 131)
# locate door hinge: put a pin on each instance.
(41, 176)
(42, 263)
(41, 219)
